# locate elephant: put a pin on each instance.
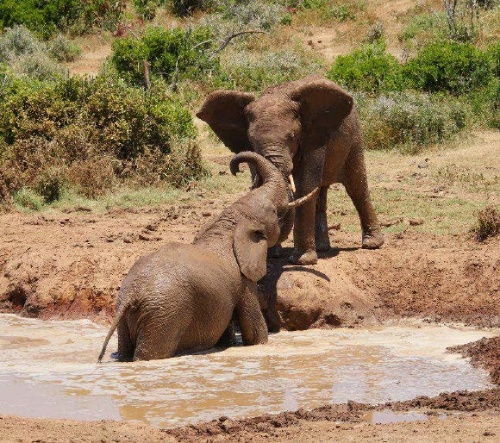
(183, 297)
(310, 130)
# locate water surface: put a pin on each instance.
(49, 369)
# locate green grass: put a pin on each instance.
(442, 215)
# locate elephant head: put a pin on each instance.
(300, 113)
(258, 215)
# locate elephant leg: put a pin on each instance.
(311, 172)
(322, 239)
(252, 323)
(125, 344)
(286, 228)
(228, 338)
(158, 337)
(356, 185)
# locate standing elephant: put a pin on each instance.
(182, 297)
(311, 131)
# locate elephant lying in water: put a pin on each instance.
(310, 130)
(182, 297)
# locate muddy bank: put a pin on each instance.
(484, 353)
(441, 418)
(71, 265)
(350, 412)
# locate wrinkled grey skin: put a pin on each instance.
(311, 129)
(183, 297)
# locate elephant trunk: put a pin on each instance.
(269, 174)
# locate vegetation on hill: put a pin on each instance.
(132, 123)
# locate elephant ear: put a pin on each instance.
(224, 111)
(323, 107)
(250, 249)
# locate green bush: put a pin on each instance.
(493, 54)
(63, 49)
(46, 17)
(369, 69)
(425, 27)
(172, 54)
(27, 56)
(448, 66)
(89, 134)
(255, 72)
(485, 103)
(184, 7)
(146, 8)
(232, 16)
(29, 199)
(409, 121)
(18, 41)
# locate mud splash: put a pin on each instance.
(48, 370)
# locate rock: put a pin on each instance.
(416, 221)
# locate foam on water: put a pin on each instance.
(49, 369)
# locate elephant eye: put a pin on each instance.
(261, 235)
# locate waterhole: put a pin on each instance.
(48, 369)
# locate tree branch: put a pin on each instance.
(229, 38)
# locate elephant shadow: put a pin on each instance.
(268, 285)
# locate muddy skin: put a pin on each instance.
(308, 128)
(183, 297)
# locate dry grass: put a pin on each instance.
(409, 187)
(488, 223)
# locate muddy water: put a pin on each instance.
(48, 369)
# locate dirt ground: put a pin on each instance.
(69, 264)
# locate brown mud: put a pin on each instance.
(70, 265)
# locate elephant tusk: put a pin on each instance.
(302, 200)
(292, 183)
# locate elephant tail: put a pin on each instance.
(121, 312)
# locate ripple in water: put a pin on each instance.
(48, 369)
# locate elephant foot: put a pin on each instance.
(323, 245)
(307, 258)
(373, 240)
(275, 252)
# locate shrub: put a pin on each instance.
(448, 66)
(45, 17)
(493, 54)
(172, 54)
(183, 7)
(342, 13)
(255, 72)
(485, 103)
(63, 49)
(425, 27)
(375, 33)
(18, 41)
(38, 66)
(488, 223)
(146, 8)
(92, 177)
(409, 121)
(89, 134)
(29, 57)
(178, 168)
(369, 69)
(27, 198)
(235, 16)
(50, 184)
